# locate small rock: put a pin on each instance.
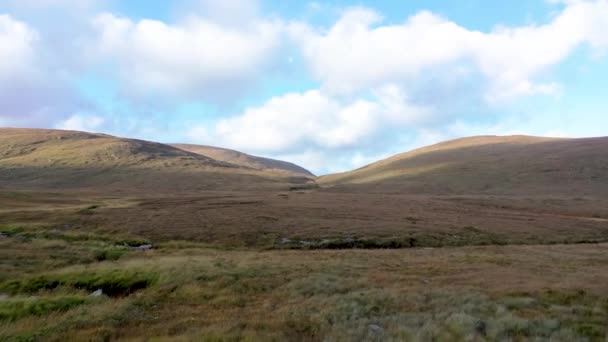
(143, 247)
(3, 235)
(285, 241)
(375, 328)
(97, 293)
(3, 296)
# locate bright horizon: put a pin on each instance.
(330, 86)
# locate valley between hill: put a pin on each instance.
(484, 238)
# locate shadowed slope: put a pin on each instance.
(33, 158)
(243, 159)
(519, 165)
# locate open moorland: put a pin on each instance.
(104, 238)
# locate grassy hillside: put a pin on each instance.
(243, 159)
(31, 158)
(516, 165)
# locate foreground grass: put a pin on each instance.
(184, 291)
(30, 249)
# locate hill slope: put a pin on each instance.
(488, 164)
(35, 158)
(243, 159)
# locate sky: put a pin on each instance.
(329, 85)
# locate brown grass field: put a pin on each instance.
(302, 266)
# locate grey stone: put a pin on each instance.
(3, 296)
(97, 293)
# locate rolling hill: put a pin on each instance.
(515, 165)
(512, 165)
(243, 159)
(56, 159)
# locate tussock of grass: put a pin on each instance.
(110, 253)
(111, 282)
(13, 309)
(11, 230)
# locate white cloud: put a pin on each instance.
(297, 120)
(33, 87)
(231, 12)
(358, 52)
(81, 122)
(17, 45)
(293, 120)
(197, 57)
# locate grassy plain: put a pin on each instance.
(301, 266)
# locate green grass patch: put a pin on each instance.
(13, 309)
(110, 253)
(111, 282)
(11, 230)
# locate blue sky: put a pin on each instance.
(330, 85)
